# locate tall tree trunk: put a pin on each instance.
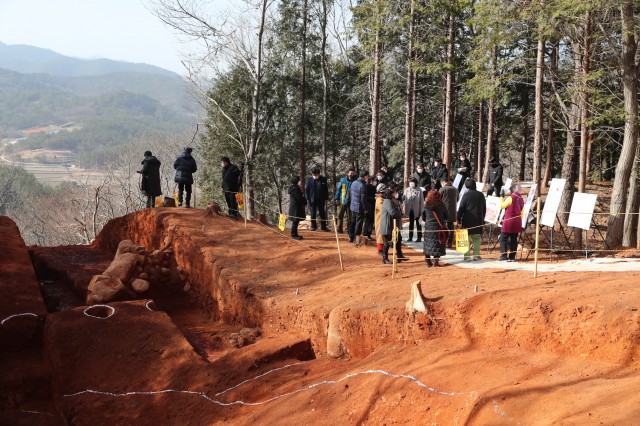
(303, 88)
(414, 109)
(409, 107)
(525, 132)
(255, 114)
(325, 84)
(633, 205)
(584, 114)
(490, 118)
(615, 225)
(374, 144)
(449, 112)
(570, 159)
(548, 171)
(480, 144)
(539, 115)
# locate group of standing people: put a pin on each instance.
(365, 203)
(185, 166)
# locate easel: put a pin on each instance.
(491, 227)
(568, 247)
(586, 237)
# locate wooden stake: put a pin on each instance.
(535, 259)
(394, 240)
(335, 229)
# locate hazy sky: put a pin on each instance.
(114, 29)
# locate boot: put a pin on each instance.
(419, 237)
(400, 255)
(385, 260)
(436, 262)
(410, 236)
(428, 262)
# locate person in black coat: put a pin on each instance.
(317, 192)
(423, 178)
(435, 225)
(369, 207)
(150, 184)
(185, 166)
(439, 173)
(495, 177)
(463, 167)
(471, 212)
(231, 175)
(297, 203)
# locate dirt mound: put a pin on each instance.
(245, 338)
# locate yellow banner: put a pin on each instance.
(240, 201)
(462, 240)
(282, 222)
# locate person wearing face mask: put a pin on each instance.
(495, 177)
(343, 199)
(296, 206)
(463, 167)
(423, 179)
(387, 177)
(413, 206)
(230, 185)
(438, 173)
(317, 194)
(436, 235)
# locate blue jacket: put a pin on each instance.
(358, 196)
(343, 193)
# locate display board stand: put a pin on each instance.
(566, 246)
(594, 226)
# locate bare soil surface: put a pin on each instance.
(337, 347)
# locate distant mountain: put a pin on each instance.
(106, 102)
(33, 60)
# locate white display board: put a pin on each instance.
(552, 202)
(527, 205)
(581, 211)
(493, 210)
(457, 180)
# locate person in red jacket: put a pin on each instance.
(512, 223)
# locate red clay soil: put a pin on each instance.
(562, 349)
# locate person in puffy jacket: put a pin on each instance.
(358, 206)
(231, 176)
(297, 203)
(512, 223)
(413, 199)
(316, 191)
(150, 184)
(495, 177)
(343, 199)
(185, 166)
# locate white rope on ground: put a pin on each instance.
(244, 403)
(113, 311)
(147, 305)
(24, 314)
(257, 377)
